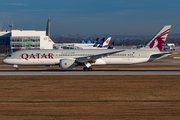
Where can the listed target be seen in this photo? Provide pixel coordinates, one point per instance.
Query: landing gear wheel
(87, 69)
(16, 69)
(90, 69)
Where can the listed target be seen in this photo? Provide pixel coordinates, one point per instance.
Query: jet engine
(66, 64)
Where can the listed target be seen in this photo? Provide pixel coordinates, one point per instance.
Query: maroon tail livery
(159, 40)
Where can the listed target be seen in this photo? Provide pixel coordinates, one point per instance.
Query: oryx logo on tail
(159, 40)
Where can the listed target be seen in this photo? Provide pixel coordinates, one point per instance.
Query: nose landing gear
(16, 67)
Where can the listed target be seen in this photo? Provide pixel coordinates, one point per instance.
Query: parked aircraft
(99, 45)
(83, 41)
(169, 46)
(83, 45)
(111, 46)
(68, 59)
(89, 41)
(104, 43)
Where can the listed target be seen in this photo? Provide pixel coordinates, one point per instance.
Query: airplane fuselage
(53, 57)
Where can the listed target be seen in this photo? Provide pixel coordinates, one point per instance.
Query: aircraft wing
(93, 58)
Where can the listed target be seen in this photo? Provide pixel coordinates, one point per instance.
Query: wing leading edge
(94, 57)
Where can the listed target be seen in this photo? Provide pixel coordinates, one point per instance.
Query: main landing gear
(87, 69)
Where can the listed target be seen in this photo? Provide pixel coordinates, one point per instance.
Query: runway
(95, 72)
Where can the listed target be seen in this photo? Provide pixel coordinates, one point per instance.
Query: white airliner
(68, 59)
(102, 45)
(84, 45)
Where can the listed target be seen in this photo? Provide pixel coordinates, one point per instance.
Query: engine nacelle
(66, 64)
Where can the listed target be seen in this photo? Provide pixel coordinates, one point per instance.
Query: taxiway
(95, 72)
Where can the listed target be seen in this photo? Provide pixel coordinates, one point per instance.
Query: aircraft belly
(116, 60)
(124, 60)
(35, 62)
(138, 60)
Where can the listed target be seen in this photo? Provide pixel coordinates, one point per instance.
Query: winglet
(159, 39)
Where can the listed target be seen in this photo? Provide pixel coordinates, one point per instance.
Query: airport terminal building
(13, 40)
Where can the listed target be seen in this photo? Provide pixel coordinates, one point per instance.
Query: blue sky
(88, 17)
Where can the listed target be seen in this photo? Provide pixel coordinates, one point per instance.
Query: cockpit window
(8, 56)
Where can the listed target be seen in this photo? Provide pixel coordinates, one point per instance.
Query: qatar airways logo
(37, 56)
(159, 41)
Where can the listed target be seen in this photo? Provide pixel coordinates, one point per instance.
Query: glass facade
(26, 42)
(4, 45)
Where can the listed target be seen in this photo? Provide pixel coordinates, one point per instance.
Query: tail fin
(96, 42)
(83, 41)
(101, 42)
(111, 46)
(106, 42)
(159, 39)
(89, 41)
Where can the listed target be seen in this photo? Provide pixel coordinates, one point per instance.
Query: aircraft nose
(5, 60)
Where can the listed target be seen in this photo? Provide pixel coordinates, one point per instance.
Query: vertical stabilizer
(106, 42)
(111, 46)
(89, 41)
(96, 42)
(101, 43)
(159, 39)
